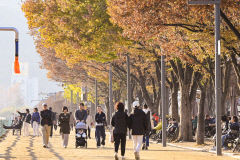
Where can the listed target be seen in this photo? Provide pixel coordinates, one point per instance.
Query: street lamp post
(16, 63)
(96, 95)
(163, 96)
(110, 93)
(217, 68)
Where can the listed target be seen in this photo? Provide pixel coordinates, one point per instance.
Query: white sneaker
(116, 156)
(123, 158)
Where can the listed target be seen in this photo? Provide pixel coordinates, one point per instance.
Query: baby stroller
(81, 135)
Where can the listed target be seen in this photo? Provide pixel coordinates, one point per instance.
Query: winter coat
(138, 122)
(149, 120)
(46, 117)
(26, 117)
(81, 115)
(64, 123)
(36, 117)
(100, 119)
(120, 122)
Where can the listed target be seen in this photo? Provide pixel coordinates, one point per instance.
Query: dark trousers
(89, 132)
(100, 133)
(146, 140)
(120, 138)
(51, 132)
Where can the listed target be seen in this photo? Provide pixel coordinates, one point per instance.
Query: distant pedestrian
(54, 121)
(46, 123)
(89, 122)
(138, 124)
(64, 124)
(100, 119)
(120, 123)
(35, 122)
(147, 111)
(26, 121)
(72, 121)
(81, 114)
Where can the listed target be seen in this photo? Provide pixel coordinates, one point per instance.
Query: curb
(203, 150)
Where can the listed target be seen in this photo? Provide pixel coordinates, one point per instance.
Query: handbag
(111, 137)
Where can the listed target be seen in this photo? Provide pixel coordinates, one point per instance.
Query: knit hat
(136, 104)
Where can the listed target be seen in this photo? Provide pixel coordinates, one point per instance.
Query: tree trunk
(185, 133)
(107, 109)
(200, 120)
(174, 101)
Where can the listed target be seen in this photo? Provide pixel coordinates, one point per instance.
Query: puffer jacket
(138, 122)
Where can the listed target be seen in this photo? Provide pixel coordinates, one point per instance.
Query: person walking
(120, 123)
(81, 114)
(46, 123)
(89, 122)
(138, 124)
(72, 121)
(100, 119)
(26, 121)
(35, 122)
(147, 111)
(54, 121)
(64, 124)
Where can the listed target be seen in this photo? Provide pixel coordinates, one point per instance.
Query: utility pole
(163, 98)
(129, 101)
(128, 84)
(216, 4)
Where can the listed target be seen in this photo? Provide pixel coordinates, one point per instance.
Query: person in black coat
(26, 121)
(148, 113)
(120, 123)
(46, 123)
(138, 124)
(64, 124)
(100, 119)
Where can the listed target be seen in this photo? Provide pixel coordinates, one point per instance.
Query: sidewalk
(30, 148)
(207, 147)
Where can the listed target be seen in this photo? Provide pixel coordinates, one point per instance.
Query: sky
(11, 15)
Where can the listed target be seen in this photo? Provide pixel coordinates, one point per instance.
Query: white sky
(12, 16)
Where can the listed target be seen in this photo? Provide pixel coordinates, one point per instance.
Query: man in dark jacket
(81, 114)
(120, 124)
(100, 119)
(138, 121)
(46, 123)
(26, 121)
(233, 133)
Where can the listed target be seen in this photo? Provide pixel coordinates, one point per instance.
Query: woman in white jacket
(89, 122)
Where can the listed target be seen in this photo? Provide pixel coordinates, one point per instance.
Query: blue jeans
(224, 137)
(146, 139)
(100, 133)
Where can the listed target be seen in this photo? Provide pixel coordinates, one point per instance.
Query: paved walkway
(30, 148)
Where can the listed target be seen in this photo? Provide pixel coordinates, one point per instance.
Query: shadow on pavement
(55, 153)
(7, 155)
(30, 149)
